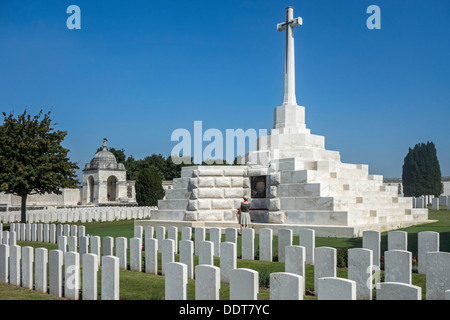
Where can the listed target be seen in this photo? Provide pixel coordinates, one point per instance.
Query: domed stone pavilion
(105, 180)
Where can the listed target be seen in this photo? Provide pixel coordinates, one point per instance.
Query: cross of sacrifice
(289, 61)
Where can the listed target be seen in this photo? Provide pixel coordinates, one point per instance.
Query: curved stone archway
(90, 192)
(112, 188)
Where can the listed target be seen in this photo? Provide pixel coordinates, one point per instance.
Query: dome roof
(104, 159)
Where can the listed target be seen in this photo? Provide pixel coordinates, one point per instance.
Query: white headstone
(265, 244)
(15, 257)
(175, 281)
(227, 260)
(324, 264)
(248, 244)
(55, 272)
(12, 238)
(81, 231)
(95, 246)
(284, 239)
(52, 233)
(205, 252)
(398, 291)
(40, 267)
(40, 233)
(108, 246)
(167, 253)
(295, 260)
(45, 232)
(72, 243)
(138, 231)
(122, 252)
(307, 239)
(360, 263)
(207, 282)
(438, 275)
(148, 232)
(286, 286)
(186, 233)
(420, 203)
(83, 246)
(33, 227)
(371, 241)
(244, 284)
(66, 230)
(398, 240)
(443, 200)
(435, 204)
(428, 241)
(62, 243)
(4, 263)
(199, 236)
(332, 288)
(27, 267)
(398, 266)
(136, 254)
(5, 237)
(215, 236)
(151, 256)
(71, 275)
(90, 276)
(172, 233)
(231, 235)
(74, 230)
(160, 235)
(110, 278)
(187, 256)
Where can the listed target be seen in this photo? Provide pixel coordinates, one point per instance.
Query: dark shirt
(245, 207)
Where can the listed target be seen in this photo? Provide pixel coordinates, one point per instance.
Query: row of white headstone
(38, 232)
(363, 267)
(243, 282)
(58, 273)
(83, 214)
(423, 201)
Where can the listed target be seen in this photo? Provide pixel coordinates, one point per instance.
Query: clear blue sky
(138, 70)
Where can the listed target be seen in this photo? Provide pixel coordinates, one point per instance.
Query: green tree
(149, 186)
(32, 159)
(421, 171)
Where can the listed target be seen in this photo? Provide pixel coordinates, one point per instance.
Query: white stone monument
(104, 180)
(292, 180)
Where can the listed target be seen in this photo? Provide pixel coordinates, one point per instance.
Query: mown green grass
(142, 286)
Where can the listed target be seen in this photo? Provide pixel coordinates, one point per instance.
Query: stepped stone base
(292, 182)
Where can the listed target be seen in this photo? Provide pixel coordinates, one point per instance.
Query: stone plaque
(258, 187)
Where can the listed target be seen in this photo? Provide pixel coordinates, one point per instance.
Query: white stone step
(306, 153)
(316, 217)
(286, 141)
(161, 214)
(179, 194)
(299, 190)
(172, 204)
(306, 203)
(180, 183)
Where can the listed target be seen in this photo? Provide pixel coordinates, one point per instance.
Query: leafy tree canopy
(32, 159)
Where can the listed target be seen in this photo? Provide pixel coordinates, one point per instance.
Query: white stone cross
(289, 61)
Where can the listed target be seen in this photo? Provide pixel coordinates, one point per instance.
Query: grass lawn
(142, 286)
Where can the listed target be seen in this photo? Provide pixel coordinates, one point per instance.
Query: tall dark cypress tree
(149, 186)
(421, 171)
